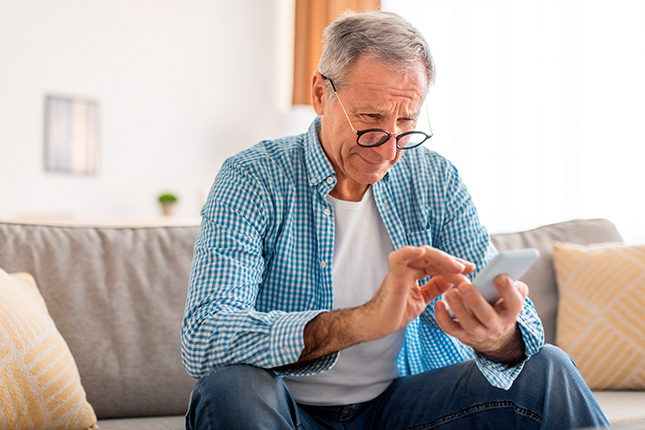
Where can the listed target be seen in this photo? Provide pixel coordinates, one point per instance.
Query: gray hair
(382, 36)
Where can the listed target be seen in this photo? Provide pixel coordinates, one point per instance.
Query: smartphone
(513, 263)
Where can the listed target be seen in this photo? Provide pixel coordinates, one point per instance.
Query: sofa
(116, 293)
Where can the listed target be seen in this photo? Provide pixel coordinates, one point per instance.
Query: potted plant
(168, 201)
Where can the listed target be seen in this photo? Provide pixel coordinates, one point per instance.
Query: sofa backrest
(541, 276)
(117, 296)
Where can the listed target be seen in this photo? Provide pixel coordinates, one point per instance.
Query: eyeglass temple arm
(429, 125)
(341, 103)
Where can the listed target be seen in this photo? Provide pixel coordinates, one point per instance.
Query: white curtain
(541, 106)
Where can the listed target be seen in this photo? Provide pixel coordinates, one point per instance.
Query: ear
(318, 93)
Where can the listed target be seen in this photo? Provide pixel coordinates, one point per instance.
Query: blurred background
(540, 104)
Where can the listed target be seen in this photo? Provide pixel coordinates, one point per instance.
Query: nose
(388, 150)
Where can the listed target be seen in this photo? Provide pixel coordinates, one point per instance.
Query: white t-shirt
(361, 249)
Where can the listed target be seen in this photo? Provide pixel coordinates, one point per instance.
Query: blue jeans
(548, 394)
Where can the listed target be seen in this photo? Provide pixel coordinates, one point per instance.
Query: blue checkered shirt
(262, 262)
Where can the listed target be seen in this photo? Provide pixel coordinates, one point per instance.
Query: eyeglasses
(377, 136)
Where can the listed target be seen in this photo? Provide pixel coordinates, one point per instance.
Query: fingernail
(501, 280)
(466, 289)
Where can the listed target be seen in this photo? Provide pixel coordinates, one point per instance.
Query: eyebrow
(373, 109)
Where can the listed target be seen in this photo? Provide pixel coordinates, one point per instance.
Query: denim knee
(239, 382)
(553, 353)
(567, 399)
(240, 396)
(553, 367)
(552, 359)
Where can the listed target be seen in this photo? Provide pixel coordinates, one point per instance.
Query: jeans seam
(478, 408)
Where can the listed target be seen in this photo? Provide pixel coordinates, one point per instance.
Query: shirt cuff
(287, 343)
(502, 376)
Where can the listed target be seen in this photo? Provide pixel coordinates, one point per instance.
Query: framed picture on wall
(71, 135)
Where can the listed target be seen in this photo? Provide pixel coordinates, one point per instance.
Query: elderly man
(313, 300)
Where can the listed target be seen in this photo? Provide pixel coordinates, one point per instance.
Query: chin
(370, 178)
(367, 176)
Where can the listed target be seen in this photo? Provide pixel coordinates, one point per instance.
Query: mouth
(374, 165)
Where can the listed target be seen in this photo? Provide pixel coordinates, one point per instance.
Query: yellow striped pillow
(40, 387)
(601, 312)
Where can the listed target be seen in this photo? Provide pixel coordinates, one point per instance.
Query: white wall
(181, 85)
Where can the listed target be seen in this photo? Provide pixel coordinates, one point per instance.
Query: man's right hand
(398, 301)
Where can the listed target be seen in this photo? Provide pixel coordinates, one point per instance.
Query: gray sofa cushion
(622, 408)
(117, 296)
(153, 423)
(541, 277)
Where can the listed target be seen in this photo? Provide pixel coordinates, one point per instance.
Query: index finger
(443, 263)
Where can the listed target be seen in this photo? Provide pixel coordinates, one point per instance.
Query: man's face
(376, 97)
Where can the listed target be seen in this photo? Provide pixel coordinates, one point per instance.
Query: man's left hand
(491, 330)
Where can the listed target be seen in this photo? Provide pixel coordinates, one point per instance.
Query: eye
(408, 122)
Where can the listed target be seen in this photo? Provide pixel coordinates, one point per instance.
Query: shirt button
(312, 182)
(330, 180)
(327, 212)
(323, 264)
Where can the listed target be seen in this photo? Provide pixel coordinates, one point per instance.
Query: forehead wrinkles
(377, 100)
(379, 85)
(379, 91)
(384, 109)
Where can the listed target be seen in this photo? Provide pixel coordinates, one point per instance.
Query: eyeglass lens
(376, 137)
(411, 140)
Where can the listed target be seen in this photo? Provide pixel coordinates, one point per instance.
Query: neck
(349, 192)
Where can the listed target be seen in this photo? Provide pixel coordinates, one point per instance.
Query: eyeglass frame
(360, 133)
